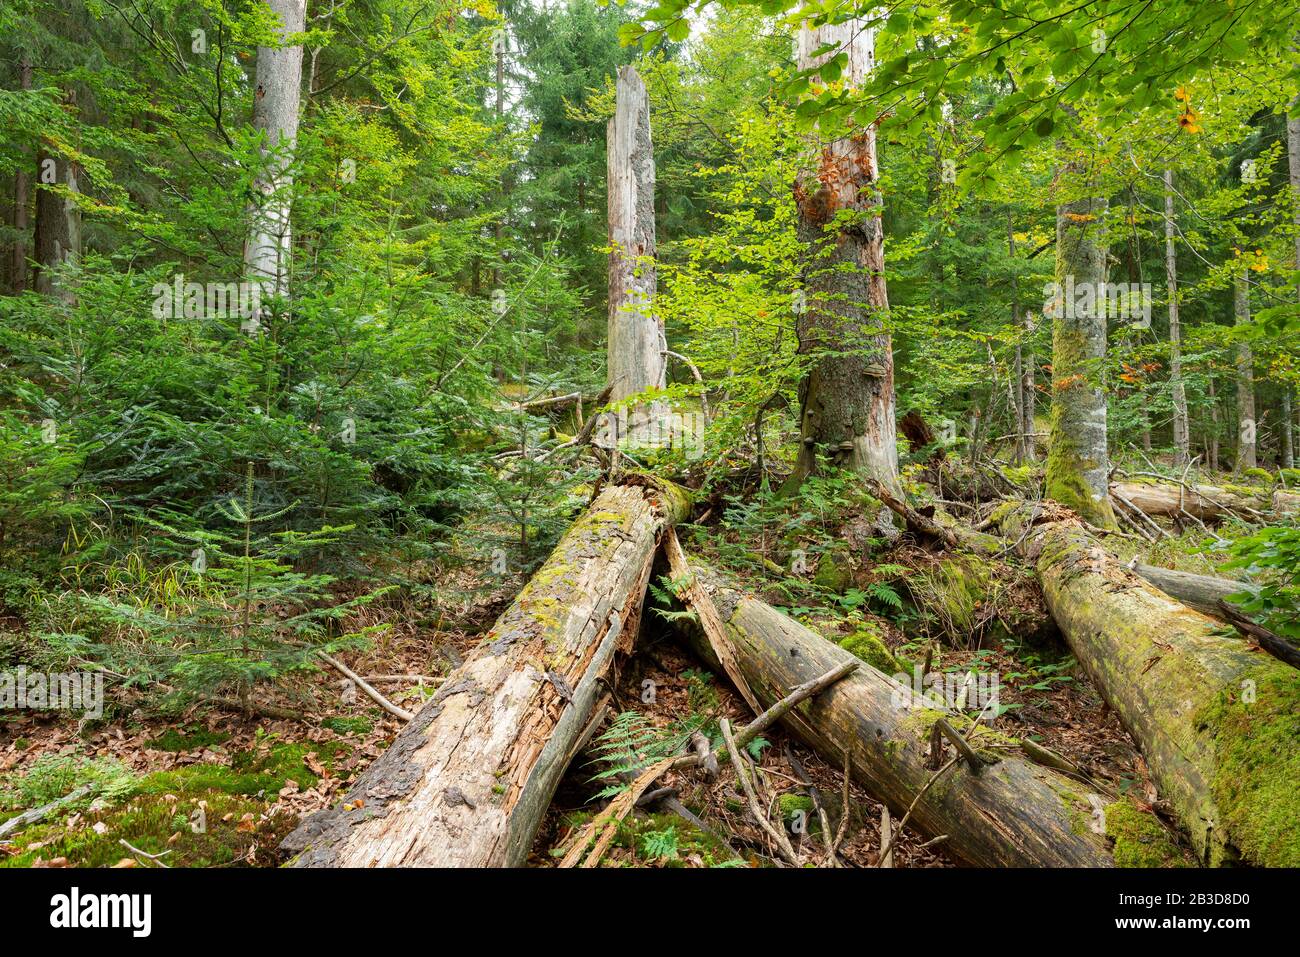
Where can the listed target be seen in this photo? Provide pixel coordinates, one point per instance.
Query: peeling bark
(847, 399)
(467, 781)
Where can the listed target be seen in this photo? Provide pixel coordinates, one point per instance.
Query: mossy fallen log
(1202, 592)
(1010, 813)
(1218, 723)
(1169, 499)
(467, 781)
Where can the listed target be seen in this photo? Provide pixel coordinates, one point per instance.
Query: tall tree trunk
(636, 344)
(499, 48)
(1024, 445)
(847, 399)
(1212, 438)
(1293, 169)
(277, 97)
(1078, 464)
(1246, 437)
(58, 223)
(1288, 428)
(1029, 388)
(1182, 434)
(22, 195)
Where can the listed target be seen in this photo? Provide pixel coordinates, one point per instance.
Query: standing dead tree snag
(847, 397)
(467, 781)
(636, 350)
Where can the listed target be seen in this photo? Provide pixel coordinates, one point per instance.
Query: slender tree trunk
(499, 48)
(1078, 464)
(1246, 437)
(58, 221)
(277, 97)
(22, 195)
(1288, 428)
(1293, 168)
(636, 344)
(1023, 423)
(1212, 438)
(1029, 388)
(1182, 434)
(847, 399)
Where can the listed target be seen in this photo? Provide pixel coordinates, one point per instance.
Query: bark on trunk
(1288, 428)
(467, 781)
(1078, 464)
(1182, 433)
(1024, 445)
(1246, 437)
(1012, 813)
(1212, 439)
(22, 195)
(1202, 592)
(636, 344)
(276, 100)
(58, 222)
(847, 399)
(1206, 501)
(1218, 724)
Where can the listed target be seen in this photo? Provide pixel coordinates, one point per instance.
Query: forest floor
(216, 788)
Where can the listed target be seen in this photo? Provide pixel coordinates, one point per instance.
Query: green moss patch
(1256, 731)
(190, 738)
(1140, 839)
(340, 725)
(866, 644)
(198, 829)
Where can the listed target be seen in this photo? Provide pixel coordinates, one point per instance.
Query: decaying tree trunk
(1011, 813)
(1202, 592)
(1218, 723)
(1207, 501)
(636, 347)
(467, 781)
(847, 398)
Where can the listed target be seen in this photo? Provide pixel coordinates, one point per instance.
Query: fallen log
(1205, 501)
(1012, 813)
(1274, 644)
(1202, 592)
(1218, 723)
(37, 814)
(467, 781)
